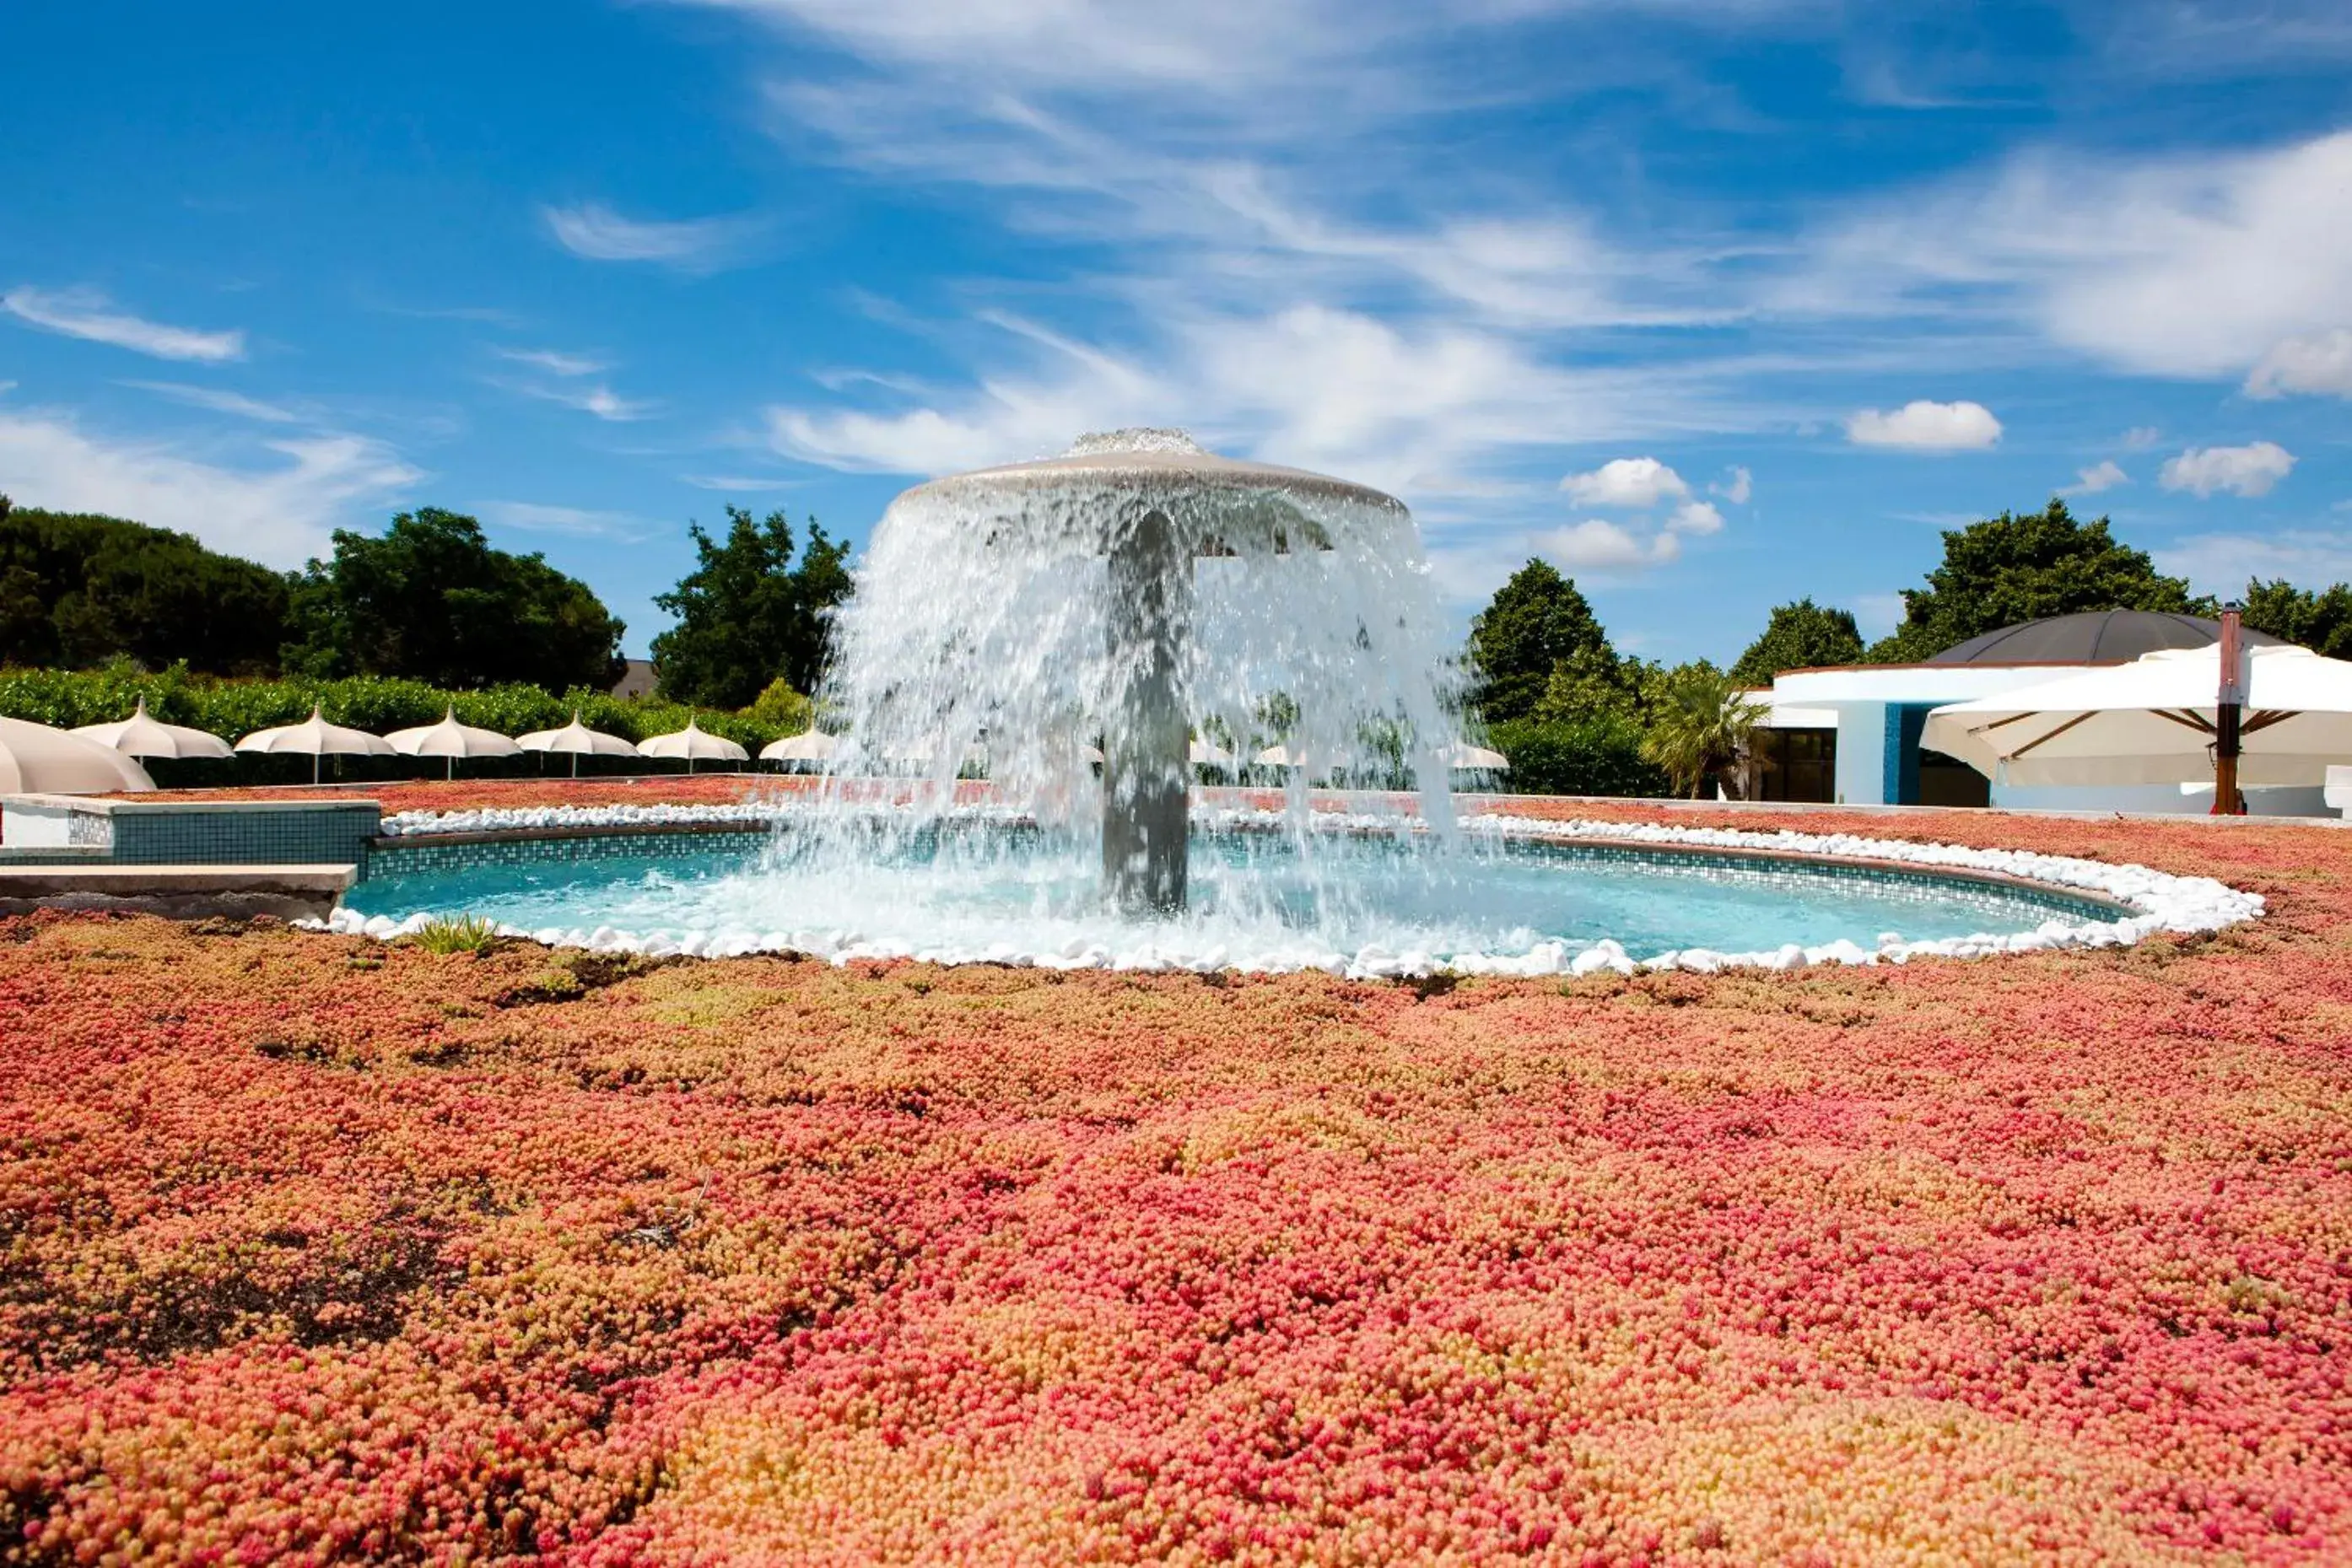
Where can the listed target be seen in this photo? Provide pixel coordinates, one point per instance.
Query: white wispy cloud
(596, 231)
(555, 361)
(1925, 426)
(1418, 411)
(1697, 518)
(1878, 614)
(219, 400)
(1234, 174)
(597, 399)
(576, 522)
(1635, 481)
(2222, 563)
(2184, 265)
(2249, 470)
(278, 510)
(2103, 475)
(1597, 544)
(86, 313)
(1638, 484)
(2314, 363)
(741, 482)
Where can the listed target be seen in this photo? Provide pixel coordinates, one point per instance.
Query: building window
(1948, 781)
(1799, 764)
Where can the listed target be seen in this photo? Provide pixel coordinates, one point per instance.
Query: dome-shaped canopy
(1223, 505)
(2091, 637)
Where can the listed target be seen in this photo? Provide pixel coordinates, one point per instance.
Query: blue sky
(1713, 304)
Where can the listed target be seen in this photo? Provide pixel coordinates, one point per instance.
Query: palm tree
(1702, 719)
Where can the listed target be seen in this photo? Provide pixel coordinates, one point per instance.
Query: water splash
(988, 629)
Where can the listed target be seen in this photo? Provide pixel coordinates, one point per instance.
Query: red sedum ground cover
(318, 1249)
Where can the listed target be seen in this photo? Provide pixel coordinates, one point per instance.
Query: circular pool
(1500, 897)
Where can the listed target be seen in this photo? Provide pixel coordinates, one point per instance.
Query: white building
(1851, 734)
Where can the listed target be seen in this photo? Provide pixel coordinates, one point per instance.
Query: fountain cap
(1136, 438)
(1145, 458)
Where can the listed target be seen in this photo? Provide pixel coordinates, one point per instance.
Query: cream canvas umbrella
(695, 744)
(2161, 720)
(450, 740)
(810, 745)
(314, 737)
(1466, 758)
(1208, 754)
(35, 760)
(1281, 757)
(577, 740)
(142, 736)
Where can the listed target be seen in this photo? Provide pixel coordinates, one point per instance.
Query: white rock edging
(2159, 902)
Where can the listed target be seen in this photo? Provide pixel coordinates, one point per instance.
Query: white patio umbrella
(450, 740)
(1467, 758)
(695, 745)
(314, 737)
(577, 740)
(810, 746)
(1281, 757)
(140, 736)
(2157, 721)
(1208, 754)
(35, 760)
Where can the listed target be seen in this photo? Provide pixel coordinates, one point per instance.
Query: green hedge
(233, 708)
(1595, 757)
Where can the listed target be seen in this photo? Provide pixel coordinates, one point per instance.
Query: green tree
(1536, 621)
(1799, 636)
(1703, 721)
(748, 615)
(2020, 567)
(430, 601)
(1595, 683)
(2320, 621)
(78, 589)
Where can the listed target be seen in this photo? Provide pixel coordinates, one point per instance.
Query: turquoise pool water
(1256, 900)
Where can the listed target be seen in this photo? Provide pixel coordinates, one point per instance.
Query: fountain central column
(1147, 769)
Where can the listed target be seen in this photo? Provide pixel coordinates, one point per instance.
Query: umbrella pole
(314, 768)
(2229, 711)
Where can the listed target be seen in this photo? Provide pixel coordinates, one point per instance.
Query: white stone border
(2159, 902)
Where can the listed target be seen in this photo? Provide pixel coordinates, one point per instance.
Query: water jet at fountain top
(1139, 588)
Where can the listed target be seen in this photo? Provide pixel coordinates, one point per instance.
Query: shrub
(457, 934)
(781, 706)
(1599, 755)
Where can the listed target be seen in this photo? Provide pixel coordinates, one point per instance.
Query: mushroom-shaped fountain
(1136, 588)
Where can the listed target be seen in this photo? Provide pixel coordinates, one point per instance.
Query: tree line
(431, 605)
(428, 600)
(1577, 717)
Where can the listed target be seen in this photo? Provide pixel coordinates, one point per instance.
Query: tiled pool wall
(49, 830)
(336, 835)
(1774, 868)
(421, 855)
